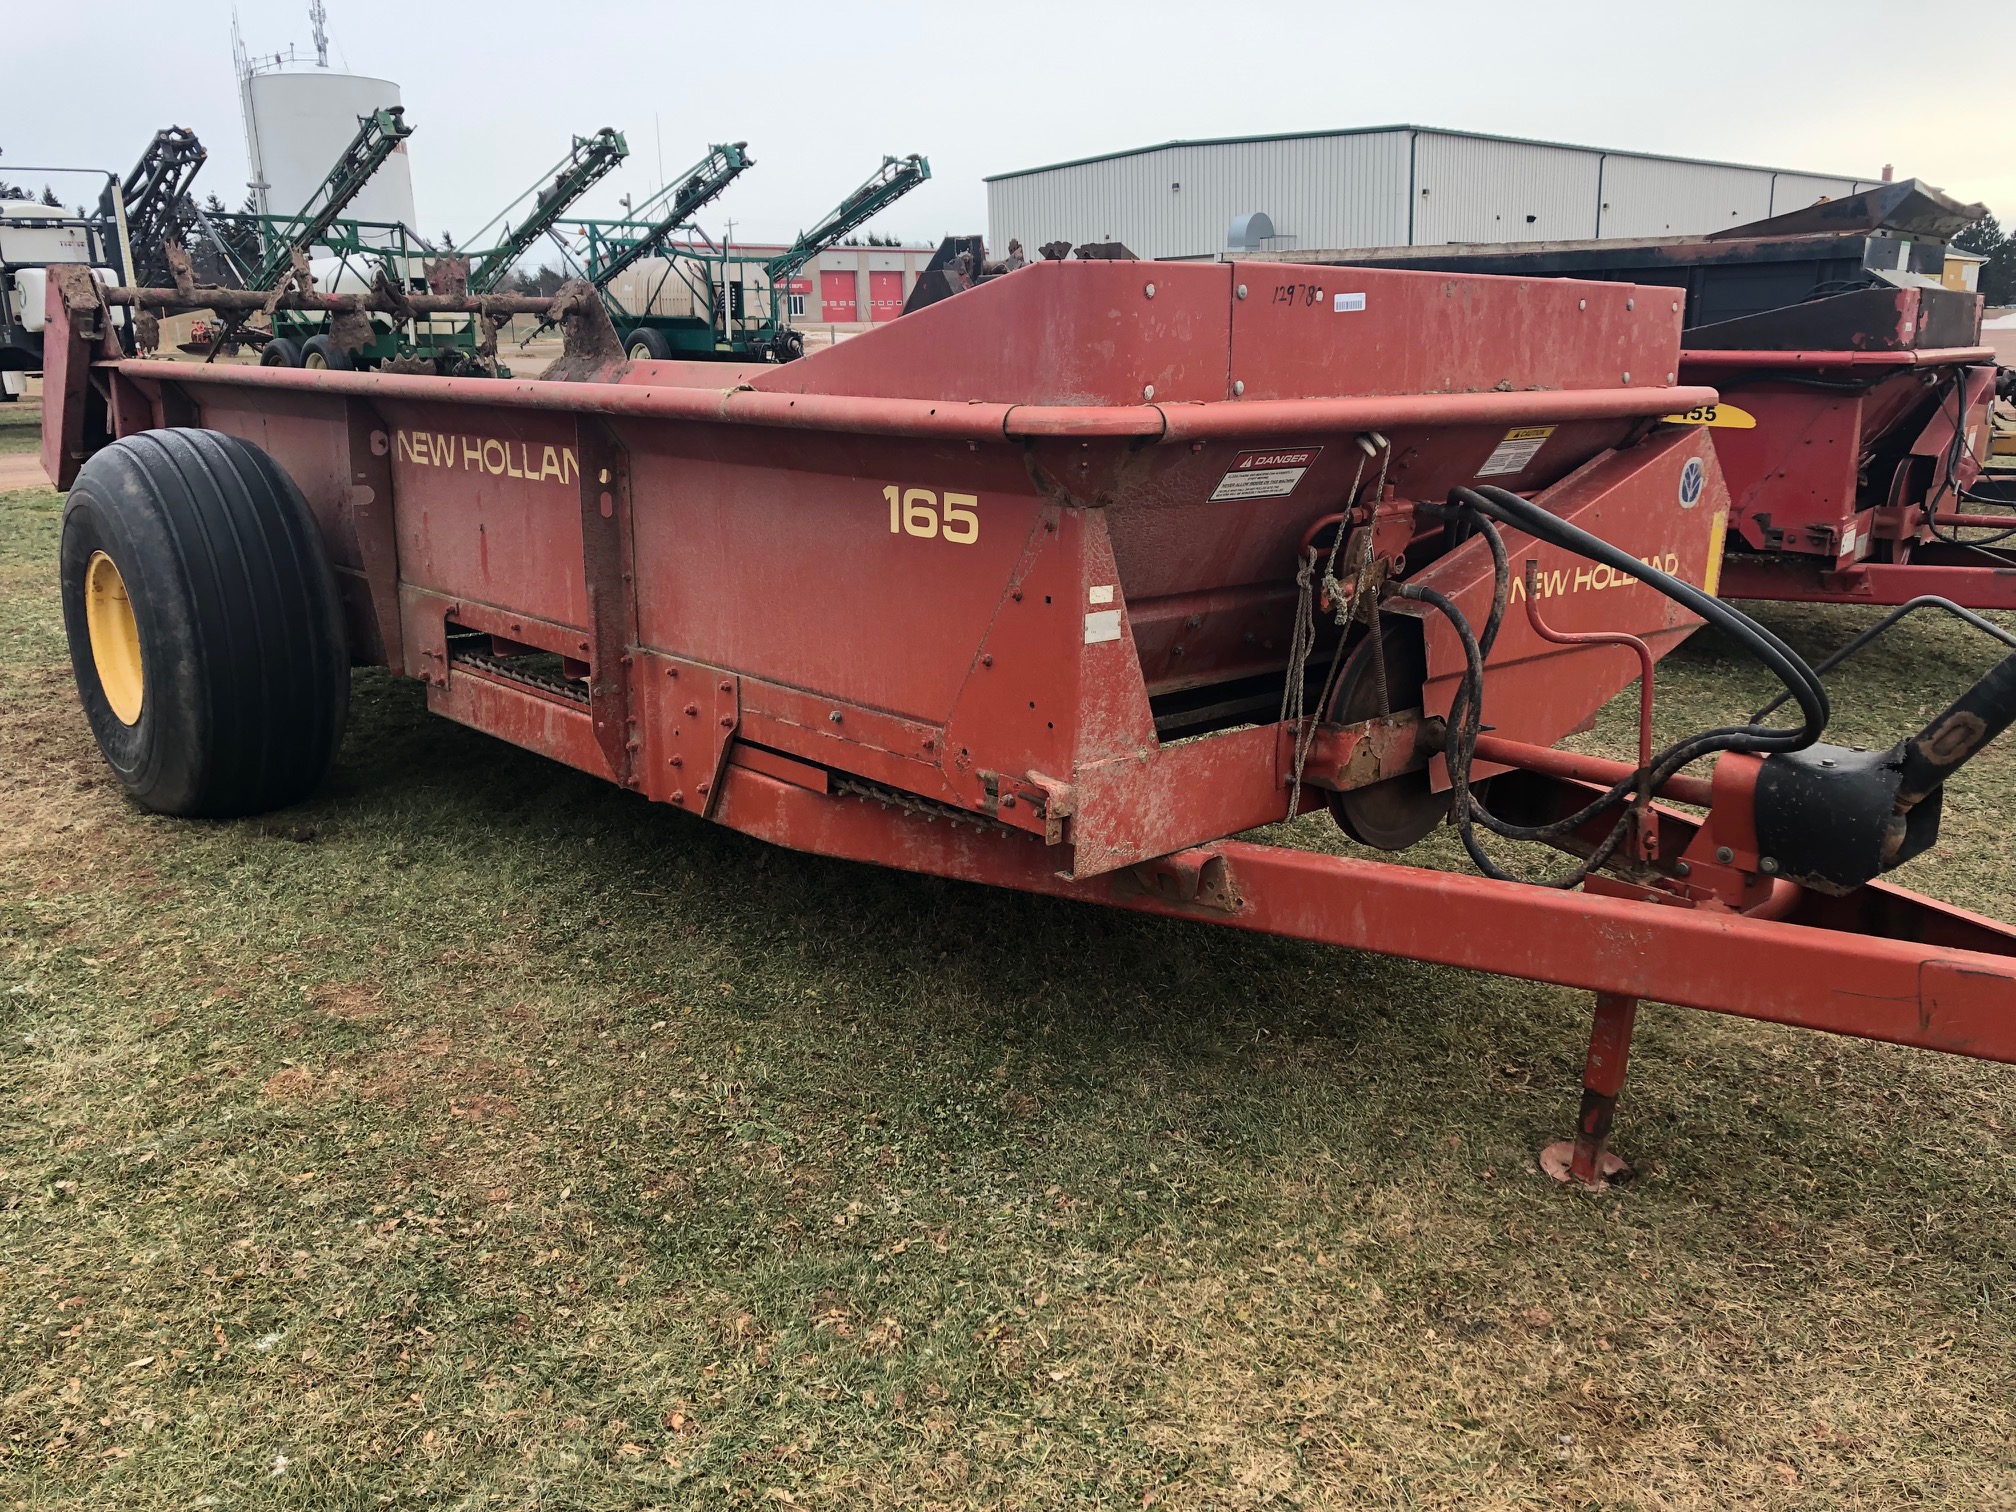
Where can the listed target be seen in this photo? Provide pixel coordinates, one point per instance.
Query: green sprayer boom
(699, 186)
(887, 184)
(379, 135)
(586, 164)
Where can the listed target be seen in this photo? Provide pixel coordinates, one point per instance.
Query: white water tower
(299, 118)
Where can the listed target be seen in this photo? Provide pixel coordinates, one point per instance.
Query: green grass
(481, 1136)
(21, 426)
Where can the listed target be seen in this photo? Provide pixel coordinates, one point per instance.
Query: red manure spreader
(1855, 393)
(1866, 422)
(1056, 585)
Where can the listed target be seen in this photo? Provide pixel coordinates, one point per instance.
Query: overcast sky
(820, 92)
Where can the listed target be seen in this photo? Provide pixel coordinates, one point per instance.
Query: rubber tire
(245, 669)
(652, 342)
(334, 358)
(281, 351)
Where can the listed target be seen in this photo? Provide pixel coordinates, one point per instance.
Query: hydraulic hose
(1949, 482)
(1487, 508)
(1784, 662)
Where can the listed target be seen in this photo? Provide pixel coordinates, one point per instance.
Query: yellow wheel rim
(314, 360)
(115, 638)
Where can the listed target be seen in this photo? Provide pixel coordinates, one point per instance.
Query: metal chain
(1294, 696)
(500, 668)
(927, 809)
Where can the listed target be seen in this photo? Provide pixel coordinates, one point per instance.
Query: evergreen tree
(545, 283)
(1998, 275)
(236, 232)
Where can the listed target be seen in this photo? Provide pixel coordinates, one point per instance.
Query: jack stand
(1586, 1159)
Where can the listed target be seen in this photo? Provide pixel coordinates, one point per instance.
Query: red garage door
(885, 295)
(839, 297)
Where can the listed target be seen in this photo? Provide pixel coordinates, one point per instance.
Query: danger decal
(1265, 474)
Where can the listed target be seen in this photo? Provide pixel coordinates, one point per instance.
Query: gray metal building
(1383, 186)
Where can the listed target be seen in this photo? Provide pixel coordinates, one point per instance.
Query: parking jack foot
(1587, 1160)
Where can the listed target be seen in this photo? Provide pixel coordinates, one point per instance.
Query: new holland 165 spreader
(1057, 586)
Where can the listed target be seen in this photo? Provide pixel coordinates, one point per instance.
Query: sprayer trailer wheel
(204, 626)
(320, 352)
(646, 344)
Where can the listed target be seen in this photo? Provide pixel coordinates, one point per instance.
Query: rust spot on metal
(82, 295)
(351, 331)
(393, 296)
(1951, 741)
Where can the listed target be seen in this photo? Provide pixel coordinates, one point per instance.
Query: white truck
(32, 236)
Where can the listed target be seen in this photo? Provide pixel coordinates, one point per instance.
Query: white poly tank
(299, 122)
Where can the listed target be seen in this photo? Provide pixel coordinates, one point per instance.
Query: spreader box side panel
(1091, 333)
(1302, 332)
(303, 433)
(1796, 469)
(866, 570)
(1101, 333)
(335, 451)
(1223, 513)
(489, 506)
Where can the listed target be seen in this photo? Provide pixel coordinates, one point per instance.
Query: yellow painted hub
(314, 360)
(115, 638)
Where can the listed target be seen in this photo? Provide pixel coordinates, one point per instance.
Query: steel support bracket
(612, 606)
(688, 716)
(1344, 757)
(1060, 802)
(367, 500)
(1198, 878)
